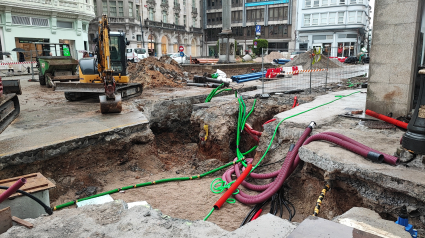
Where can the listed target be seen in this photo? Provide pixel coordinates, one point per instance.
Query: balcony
(194, 10)
(176, 7)
(150, 2)
(164, 4)
(122, 20)
(79, 7)
(196, 30)
(166, 26)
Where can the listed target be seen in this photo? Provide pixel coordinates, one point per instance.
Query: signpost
(181, 49)
(255, 44)
(257, 30)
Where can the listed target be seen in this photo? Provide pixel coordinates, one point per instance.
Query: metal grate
(39, 21)
(18, 20)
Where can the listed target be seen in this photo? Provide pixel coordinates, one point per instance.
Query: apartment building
(171, 24)
(274, 17)
(342, 25)
(23, 22)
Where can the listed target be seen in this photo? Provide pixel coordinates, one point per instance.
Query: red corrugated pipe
(387, 119)
(257, 133)
(12, 189)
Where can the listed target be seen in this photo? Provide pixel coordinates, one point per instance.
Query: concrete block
(382, 34)
(390, 12)
(265, 226)
(380, 73)
(403, 34)
(383, 53)
(367, 220)
(24, 207)
(400, 74)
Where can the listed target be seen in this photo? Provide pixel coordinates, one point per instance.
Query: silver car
(181, 60)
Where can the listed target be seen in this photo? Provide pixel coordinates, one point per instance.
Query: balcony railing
(176, 7)
(68, 6)
(168, 26)
(196, 30)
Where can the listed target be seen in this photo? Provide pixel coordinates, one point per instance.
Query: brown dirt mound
(153, 73)
(305, 61)
(270, 57)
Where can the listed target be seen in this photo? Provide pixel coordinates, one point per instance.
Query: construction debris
(305, 61)
(153, 73)
(273, 55)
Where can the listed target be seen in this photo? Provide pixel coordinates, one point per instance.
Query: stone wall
(393, 56)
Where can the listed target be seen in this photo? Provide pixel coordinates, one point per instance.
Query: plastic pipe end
(375, 157)
(312, 125)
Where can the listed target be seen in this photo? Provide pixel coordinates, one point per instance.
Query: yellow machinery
(105, 73)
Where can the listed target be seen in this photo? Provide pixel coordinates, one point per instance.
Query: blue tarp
(255, 4)
(248, 77)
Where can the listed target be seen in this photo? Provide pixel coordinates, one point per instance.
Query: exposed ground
(305, 61)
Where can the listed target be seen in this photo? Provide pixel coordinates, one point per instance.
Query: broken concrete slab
(114, 220)
(367, 220)
(326, 113)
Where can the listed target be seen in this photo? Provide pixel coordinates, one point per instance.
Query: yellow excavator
(105, 74)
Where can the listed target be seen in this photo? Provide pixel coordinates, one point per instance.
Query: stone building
(171, 24)
(397, 52)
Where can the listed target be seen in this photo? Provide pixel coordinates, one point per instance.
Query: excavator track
(126, 91)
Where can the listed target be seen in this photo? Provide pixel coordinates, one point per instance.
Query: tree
(261, 43)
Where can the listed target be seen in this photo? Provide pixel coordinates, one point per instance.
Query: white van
(136, 54)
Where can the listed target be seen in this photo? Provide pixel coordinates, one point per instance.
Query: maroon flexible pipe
(292, 160)
(12, 189)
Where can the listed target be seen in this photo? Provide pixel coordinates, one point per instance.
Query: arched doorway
(193, 48)
(151, 45)
(164, 43)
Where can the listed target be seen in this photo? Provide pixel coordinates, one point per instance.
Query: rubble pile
(153, 73)
(305, 61)
(270, 57)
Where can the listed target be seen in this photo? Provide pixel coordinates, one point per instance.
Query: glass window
(176, 19)
(316, 3)
(332, 16)
(130, 9)
(95, 7)
(271, 11)
(307, 20)
(164, 16)
(114, 46)
(105, 7)
(151, 15)
(315, 19)
(340, 17)
(307, 3)
(359, 17)
(323, 19)
(184, 20)
(113, 9)
(285, 13)
(64, 24)
(351, 17)
(324, 2)
(139, 38)
(332, 2)
(341, 2)
(120, 9)
(193, 22)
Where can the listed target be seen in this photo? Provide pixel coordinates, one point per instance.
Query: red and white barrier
(305, 71)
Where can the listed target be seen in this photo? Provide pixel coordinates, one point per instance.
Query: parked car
(181, 60)
(136, 54)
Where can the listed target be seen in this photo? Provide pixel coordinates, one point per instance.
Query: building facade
(274, 17)
(171, 24)
(341, 25)
(122, 16)
(23, 22)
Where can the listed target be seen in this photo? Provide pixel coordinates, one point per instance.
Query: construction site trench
(173, 144)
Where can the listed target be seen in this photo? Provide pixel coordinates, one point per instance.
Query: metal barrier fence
(307, 72)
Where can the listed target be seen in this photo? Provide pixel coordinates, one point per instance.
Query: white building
(54, 21)
(339, 24)
(170, 24)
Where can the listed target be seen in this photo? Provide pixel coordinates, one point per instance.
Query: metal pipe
(12, 189)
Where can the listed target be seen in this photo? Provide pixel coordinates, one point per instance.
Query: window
(95, 7)
(332, 2)
(307, 3)
(120, 9)
(139, 38)
(306, 20)
(285, 13)
(351, 17)
(359, 17)
(332, 16)
(324, 2)
(164, 16)
(193, 3)
(176, 19)
(104, 7)
(151, 15)
(137, 11)
(341, 2)
(184, 20)
(316, 3)
(112, 9)
(193, 22)
(315, 19)
(130, 9)
(236, 16)
(340, 17)
(64, 24)
(184, 3)
(323, 19)
(44, 22)
(84, 27)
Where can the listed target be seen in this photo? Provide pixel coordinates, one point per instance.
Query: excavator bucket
(9, 110)
(110, 105)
